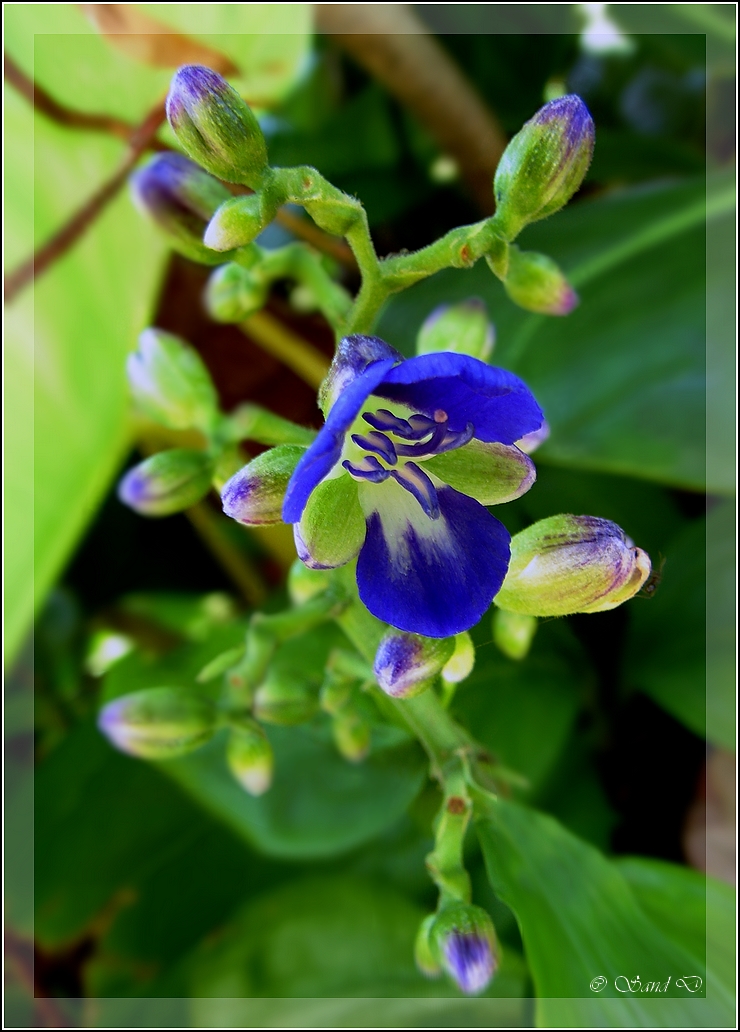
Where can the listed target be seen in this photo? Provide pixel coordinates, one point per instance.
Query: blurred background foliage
(166, 882)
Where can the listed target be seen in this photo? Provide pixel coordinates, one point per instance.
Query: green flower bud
(406, 663)
(351, 735)
(423, 953)
(535, 282)
(543, 165)
(464, 328)
(168, 482)
(250, 756)
(181, 198)
(158, 723)
(255, 494)
(463, 941)
(571, 564)
(334, 215)
(513, 633)
(215, 126)
(305, 583)
(236, 223)
(284, 699)
(461, 662)
(233, 293)
(170, 382)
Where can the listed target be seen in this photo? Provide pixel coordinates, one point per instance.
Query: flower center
(394, 438)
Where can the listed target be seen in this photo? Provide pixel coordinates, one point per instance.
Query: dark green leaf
(319, 805)
(621, 379)
(673, 653)
(580, 921)
(523, 711)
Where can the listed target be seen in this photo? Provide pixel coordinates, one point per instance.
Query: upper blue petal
(436, 583)
(353, 356)
(325, 451)
(499, 405)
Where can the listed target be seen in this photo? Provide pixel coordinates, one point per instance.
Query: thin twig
(70, 232)
(395, 46)
(311, 234)
(46, 105)
(293, 351)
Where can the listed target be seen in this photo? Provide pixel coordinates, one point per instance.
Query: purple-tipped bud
(406, 663)
(158, 723)
(464, 941)
(571, 564)
(544, 164)
(170, 383)
(255, 494)
(464, 328)
(215, 126)
(352, 357)
(250, 757)
(168, 482)
(531, 442)
(535, 282)
(233, 293)
(181, 198)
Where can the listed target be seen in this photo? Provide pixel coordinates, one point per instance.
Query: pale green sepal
(536, 283)
(491, 473)
(332, 528)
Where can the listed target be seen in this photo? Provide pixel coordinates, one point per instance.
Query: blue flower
(409, 456)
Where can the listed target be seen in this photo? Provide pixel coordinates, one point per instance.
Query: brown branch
(394, 45)
(72, 230)
(324, 242)
(46, 105)
(19, 956)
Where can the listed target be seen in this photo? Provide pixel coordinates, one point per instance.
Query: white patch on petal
(399, 512)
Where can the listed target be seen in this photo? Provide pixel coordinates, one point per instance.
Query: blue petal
(432, 577)
(499, 404)
(354, 355)
(325, 451)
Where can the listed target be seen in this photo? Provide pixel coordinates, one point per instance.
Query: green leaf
(696, 911)
(112, 836)
(524, 710)
(67, 340)
(674, 653)
(332, 937)
(579, 921)
(622, 379)
(319, 805)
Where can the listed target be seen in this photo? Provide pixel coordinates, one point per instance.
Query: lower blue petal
(433, 577)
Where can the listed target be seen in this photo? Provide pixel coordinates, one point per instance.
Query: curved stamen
(429, 447)
(378, 443)
(456, 438)
(414, 479)
(368, 468)
(386, 421)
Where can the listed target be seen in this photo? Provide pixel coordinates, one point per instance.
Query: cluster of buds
(540, 170)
